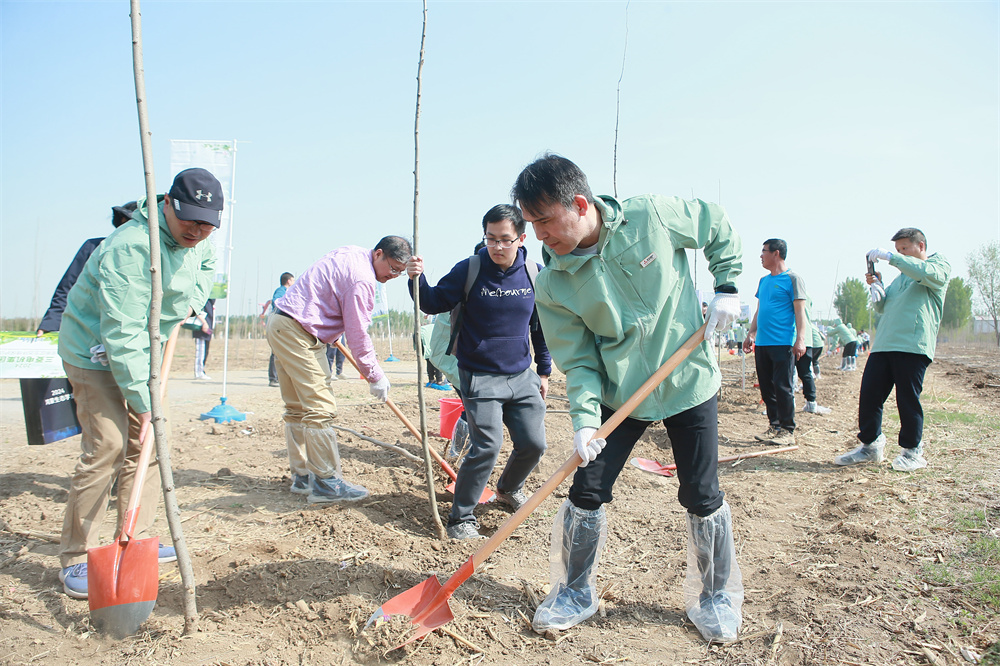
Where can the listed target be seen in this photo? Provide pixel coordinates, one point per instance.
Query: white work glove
(99, 355)
(876, 291)
(380, 389)
(879, 253)
(588, 448)
(722, 312)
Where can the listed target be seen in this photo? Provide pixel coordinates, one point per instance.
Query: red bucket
(451, 409)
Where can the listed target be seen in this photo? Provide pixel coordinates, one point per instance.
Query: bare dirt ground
(841, 566)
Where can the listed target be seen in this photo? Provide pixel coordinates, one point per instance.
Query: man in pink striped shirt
(333, 297)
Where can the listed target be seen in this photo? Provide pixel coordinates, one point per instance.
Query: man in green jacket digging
(104, 345)
(904, 346)
(615, 301)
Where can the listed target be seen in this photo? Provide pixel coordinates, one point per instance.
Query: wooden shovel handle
(132, 509)
(512, 523)
(402, 417)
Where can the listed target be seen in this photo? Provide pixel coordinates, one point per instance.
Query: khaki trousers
(110, 448)
(309, 403)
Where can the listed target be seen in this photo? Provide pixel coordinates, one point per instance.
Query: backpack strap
(458, 312)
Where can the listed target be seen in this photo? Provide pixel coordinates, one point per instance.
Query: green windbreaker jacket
(911, 309)
(612, 318)
(109, 304)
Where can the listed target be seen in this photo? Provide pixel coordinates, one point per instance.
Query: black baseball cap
(197, 195)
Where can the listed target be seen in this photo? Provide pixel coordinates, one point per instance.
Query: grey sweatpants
(491, 402)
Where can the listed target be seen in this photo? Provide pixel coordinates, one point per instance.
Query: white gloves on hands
(588, 448)
(876, 291)
(99, 355)
(380, 389)
(879, 253)
(722, 312)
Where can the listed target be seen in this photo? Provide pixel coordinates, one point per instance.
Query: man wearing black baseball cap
(104, 344)
(193, 207)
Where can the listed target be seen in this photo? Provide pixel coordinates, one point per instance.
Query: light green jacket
(438, 347)
(817, 338)
(611, 319)
(109, 304)
(911, 309)
(840, 335)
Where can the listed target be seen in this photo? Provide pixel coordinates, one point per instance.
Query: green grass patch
(975, 572)
(943, 417)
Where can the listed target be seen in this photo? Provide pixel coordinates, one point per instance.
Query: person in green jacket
(904, 346)
(843, 336)
(804, 366)
(104, 345)
(616, 299)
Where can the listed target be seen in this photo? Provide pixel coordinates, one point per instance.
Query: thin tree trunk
(428, 469)
(159, 423)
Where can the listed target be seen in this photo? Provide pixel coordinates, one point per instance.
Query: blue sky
(828, 124)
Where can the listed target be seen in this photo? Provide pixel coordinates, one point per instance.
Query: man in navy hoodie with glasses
(496, 332)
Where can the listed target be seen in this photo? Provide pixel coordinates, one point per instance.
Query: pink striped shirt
(335, 296)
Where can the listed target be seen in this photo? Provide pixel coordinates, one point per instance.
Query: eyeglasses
(394, 270)
(503, 243)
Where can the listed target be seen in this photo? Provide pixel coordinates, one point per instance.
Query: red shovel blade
(487, 496)
(122, 583)
(426, 603)
(647, 465)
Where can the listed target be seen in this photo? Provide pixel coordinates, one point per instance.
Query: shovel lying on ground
(487, 496)
(647, 465)
(427, 603)
(123, 577)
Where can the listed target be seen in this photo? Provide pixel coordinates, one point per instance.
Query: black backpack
(458, 312)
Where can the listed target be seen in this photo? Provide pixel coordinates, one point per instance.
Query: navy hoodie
(495, 331)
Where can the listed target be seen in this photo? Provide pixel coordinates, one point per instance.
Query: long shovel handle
(519, 516)
(132, 509)
(402, 417)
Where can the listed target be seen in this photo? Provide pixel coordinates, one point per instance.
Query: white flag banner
(381, 302)
(219, 157)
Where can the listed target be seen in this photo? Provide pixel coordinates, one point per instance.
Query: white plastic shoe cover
(865, 453)
(713, 585)
(910, 459)
(578, 537)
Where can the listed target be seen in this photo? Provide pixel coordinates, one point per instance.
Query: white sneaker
(910, 460)
(203, 376)
(864, 453)
(813, 408)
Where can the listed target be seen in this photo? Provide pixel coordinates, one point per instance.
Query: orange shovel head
(122, 582)
(487, 496)
(424, 601)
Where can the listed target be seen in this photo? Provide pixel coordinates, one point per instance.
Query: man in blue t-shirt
(498, 387)
(777, 335)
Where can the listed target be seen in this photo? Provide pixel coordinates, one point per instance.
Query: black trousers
(775, 364)
(694, 439)
(883, 371)
(815, 353)
(850, 349)
(804, 366)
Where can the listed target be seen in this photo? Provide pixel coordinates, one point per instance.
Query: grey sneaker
(300, 484)
(864, 453)
(514, 500)
(768, 434)
(461, 531)
(335, 490)
(814, 408)
(910, 460)
(783, 438)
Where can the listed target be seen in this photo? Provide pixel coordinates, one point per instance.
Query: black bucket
(49, 410)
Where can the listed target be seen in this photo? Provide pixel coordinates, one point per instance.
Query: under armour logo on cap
(197, 195)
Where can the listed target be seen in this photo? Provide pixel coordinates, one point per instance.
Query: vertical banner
(381, 302)
(219, 157)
